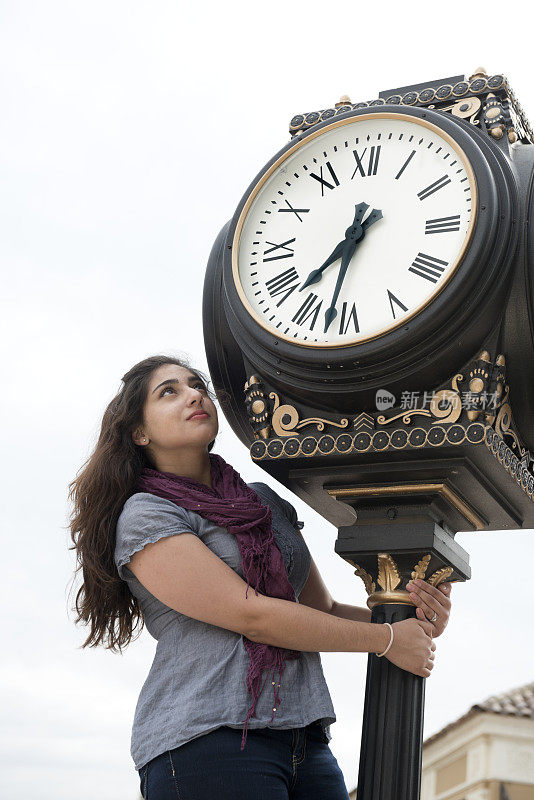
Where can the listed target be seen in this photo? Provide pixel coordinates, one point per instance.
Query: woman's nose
(195, 394)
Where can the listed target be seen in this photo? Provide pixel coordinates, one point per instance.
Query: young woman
(168, 534)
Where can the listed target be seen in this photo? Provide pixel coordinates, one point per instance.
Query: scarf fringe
(253, 682)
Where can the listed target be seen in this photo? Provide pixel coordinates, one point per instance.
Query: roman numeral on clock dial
(399, 173)
(309, 308)
(348, 318)
(428, 267)
(434, 187)
(285, 284)
(323, 181)
(371, 165)
(443, 224)
(284, 246)
(296, 211)
(393, 299)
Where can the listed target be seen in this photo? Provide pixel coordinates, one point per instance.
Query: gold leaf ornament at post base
(440, 576)
(389, 579)
(288, 427)
(420, 568)
(388, 574)
(366, 578)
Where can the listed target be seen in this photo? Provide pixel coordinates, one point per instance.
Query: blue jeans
(292, 764)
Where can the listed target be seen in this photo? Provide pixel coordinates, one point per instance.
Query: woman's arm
(315, 594)
(184, 574)
(295, 626)
(357, 613)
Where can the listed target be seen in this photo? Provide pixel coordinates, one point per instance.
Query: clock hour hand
(316, 274)
(348, 252)
(374, 216)
(353, 233)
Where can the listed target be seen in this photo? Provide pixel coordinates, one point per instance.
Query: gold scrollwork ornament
(450, 397)
(257, 407)
(283, 427)
(467, 109)
(503, 424)
(452, 400)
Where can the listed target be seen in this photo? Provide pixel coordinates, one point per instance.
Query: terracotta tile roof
(517, 703)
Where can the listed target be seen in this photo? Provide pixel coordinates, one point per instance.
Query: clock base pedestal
(387, 556)
(392, 732)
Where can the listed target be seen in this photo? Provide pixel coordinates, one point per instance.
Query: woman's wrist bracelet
(390, 641)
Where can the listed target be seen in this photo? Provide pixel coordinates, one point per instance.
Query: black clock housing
(446, 331)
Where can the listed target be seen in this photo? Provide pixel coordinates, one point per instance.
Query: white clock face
(314, 267)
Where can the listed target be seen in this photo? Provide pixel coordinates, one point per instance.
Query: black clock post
(369, 327)
(392, 733)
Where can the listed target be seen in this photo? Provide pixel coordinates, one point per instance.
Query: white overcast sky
(128, 134)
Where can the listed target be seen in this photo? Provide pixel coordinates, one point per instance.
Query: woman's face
(174, 394)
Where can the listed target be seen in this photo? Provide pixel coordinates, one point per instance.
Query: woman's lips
(201, 415)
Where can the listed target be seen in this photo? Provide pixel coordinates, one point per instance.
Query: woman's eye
(170, 388)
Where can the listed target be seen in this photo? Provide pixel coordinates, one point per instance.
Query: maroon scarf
(235, 506)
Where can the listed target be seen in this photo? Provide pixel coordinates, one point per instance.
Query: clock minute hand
(348, 252)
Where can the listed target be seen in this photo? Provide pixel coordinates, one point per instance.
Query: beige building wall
(472, 759)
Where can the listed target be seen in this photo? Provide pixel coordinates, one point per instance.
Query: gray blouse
(197, 679)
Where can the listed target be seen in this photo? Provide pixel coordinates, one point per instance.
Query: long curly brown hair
(101, 487)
